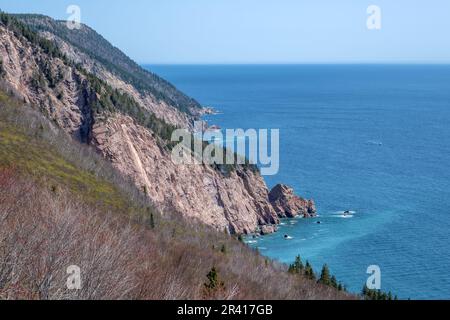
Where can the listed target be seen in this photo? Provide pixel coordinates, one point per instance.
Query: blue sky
(262, 31)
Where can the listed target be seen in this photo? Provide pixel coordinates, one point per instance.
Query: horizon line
(292, 63)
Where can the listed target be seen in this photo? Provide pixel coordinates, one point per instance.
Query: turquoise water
(371, 139)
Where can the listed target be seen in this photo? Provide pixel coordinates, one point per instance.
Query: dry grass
(43, 232)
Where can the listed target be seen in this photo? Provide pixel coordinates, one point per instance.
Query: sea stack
(288, 205)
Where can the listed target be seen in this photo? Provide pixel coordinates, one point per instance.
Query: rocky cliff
(128, 123)
(237, 202)
(287, 204)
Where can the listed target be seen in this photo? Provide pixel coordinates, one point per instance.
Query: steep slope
(126, 132)
(62, 204)
(237, 202)
(86, 43)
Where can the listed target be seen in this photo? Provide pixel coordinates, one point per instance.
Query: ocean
(371, 139)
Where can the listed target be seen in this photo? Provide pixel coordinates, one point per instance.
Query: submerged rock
(288, 205)
(268, 229)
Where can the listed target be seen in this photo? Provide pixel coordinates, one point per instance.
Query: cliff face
(101, 105)
(26, 70)
(237, 203)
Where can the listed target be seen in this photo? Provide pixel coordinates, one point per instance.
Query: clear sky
(262, 31)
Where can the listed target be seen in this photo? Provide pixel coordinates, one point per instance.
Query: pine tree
(291, 269)
(212, 279)
(373, 294)
(325, 276)
(214, 284)
(389, 296)
(298, 264)
(297, 267)
(309, 272)
(223, 249)
(333, 282)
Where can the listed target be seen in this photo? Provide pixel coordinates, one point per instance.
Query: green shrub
(214, 284)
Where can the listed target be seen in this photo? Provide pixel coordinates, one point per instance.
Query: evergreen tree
(212, 279)
(298, 264)
(297, 267)
(223, 249)
(309, 272)
(373, 294)
(333, 282)
(325, 276)
(214, 284)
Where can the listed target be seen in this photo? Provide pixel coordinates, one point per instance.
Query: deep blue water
(374, 139)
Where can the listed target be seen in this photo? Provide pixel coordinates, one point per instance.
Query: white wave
(375, 142)
(344, 216)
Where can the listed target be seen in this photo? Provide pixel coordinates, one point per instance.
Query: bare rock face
(26, 68)
(289, 205)
(238, 202)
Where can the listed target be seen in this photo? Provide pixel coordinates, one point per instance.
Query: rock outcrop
(289, 205)
(267, 229)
